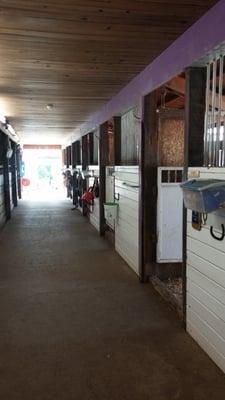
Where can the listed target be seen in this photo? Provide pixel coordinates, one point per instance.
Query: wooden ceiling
(77, 54)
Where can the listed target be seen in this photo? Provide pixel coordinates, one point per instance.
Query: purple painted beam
(200, 38)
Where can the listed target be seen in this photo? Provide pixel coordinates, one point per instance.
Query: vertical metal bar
(219, 112)
(212, 163)
(210, 124)
(206, 137)
(223, 144)
(209, 139)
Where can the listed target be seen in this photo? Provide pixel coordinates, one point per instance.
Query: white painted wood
(206, 252)
(206, 299)
(126, 227)
(169, 220)
(110, 185)
(110, 189)
(210, 286)
(95, 214)
(211, 333)
(207, 346)
(206, 268)
(208, 317)
(206, 281)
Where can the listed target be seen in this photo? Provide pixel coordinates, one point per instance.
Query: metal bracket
(117, 196)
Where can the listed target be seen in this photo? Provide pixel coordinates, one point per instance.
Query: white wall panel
(206, 283)
(169, 217)
(109, 185)
(95, 214)
(126, 227)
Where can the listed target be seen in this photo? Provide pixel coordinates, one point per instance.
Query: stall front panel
(169, 215)
(95, 209)
(206, 279)
(126, 227)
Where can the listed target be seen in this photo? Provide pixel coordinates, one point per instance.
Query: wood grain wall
(130, 134)
(171, 142)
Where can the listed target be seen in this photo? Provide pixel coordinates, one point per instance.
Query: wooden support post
(73, 151)
(18, 168)
(14, 178)
(195, 116)
(7, 200)
(91, 148)
(84, 152)
(102, 177)
(69, 156)
(194, 143)
(76, 154)
(148, 191)
(117, 140)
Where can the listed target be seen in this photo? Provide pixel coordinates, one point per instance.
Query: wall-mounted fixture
(204, 195)
(216, 236)
(206, 199)
(50, 106)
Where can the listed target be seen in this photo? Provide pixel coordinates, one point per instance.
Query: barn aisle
(76, 324)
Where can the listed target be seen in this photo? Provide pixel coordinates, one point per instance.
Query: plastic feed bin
(204, 195)
(110, 211)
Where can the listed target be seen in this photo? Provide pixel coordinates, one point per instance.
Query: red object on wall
(88, 196)
(25, 182)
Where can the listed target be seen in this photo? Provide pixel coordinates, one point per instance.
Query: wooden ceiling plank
(78, 54)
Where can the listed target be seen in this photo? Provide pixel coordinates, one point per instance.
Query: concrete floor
(76, 324)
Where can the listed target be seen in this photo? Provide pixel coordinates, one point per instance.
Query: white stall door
(169, 215)
(126, 227)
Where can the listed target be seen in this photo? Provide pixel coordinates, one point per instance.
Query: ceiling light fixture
(50, 107)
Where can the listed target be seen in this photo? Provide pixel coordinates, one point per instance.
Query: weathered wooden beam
(117, 140)
(193, 145)
(69, 156)
(85, 152)
(195, 116)
(76, 154)
(177, 84)
(18, 169)
(103, 147)
(90, 148)
(7, 200)
(148, 200)
(14, 175)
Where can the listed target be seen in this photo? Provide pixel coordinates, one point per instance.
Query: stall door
(169, 215)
